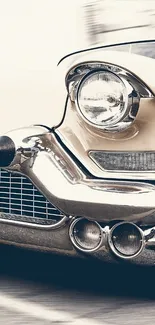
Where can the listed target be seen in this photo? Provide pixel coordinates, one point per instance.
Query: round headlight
(102, 98)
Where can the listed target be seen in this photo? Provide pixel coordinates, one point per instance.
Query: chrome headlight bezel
(135, 90)
(129, 113)
(114, 247)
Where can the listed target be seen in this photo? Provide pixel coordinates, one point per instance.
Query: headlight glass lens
(102, 98)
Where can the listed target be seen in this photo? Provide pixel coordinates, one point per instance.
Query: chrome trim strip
(132, 103)
(50, 168)
(56, 225)
(81, 69)
(106, 46)
(27, 219)
(55, 240)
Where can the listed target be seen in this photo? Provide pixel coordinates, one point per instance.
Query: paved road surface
(37, 288)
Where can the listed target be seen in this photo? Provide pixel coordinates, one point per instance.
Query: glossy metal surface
(20, 139)
(81, 138)
(106, 246)
(131, 103)
(135, 88)
(78, 71)
(50, 168)
(24, 223)
(21, 201)
(85, 238)
(132, 63)
(58, 241)
(122, 252)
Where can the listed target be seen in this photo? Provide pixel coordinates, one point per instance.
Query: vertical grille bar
(21, 196)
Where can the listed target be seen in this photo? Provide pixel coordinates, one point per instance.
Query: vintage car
(86, 185)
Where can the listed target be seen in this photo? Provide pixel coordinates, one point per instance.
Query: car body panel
(81, 138)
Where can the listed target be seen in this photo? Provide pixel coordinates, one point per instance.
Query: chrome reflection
(135, 89)
(78, 71)
(150, 238)
(86, 236)
(40, 157)
(107, 109)
(126, 240)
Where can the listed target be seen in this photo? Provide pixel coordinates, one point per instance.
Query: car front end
(86, 186)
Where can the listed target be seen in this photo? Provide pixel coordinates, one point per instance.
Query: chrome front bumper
(59, 177)
(40, 156)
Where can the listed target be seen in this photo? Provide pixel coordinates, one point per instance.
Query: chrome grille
(18, 197)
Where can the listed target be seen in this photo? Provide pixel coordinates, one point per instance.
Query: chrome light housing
(86, 236)
(106, 96)
(108, 123)
(126, 240)
(106, 100)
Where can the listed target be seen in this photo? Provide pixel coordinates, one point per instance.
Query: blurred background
(35, 34)
(112, 21)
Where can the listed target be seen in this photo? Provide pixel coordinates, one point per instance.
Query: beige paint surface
(80, 137)
(34, 35)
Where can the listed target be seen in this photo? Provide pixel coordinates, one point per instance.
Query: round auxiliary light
(126, 240)
(85, 235)
(105, 100)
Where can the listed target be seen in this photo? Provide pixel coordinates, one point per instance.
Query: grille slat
(36, 195)
(24, 205)
(14, 199)
(17, 210)
(18, 196)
